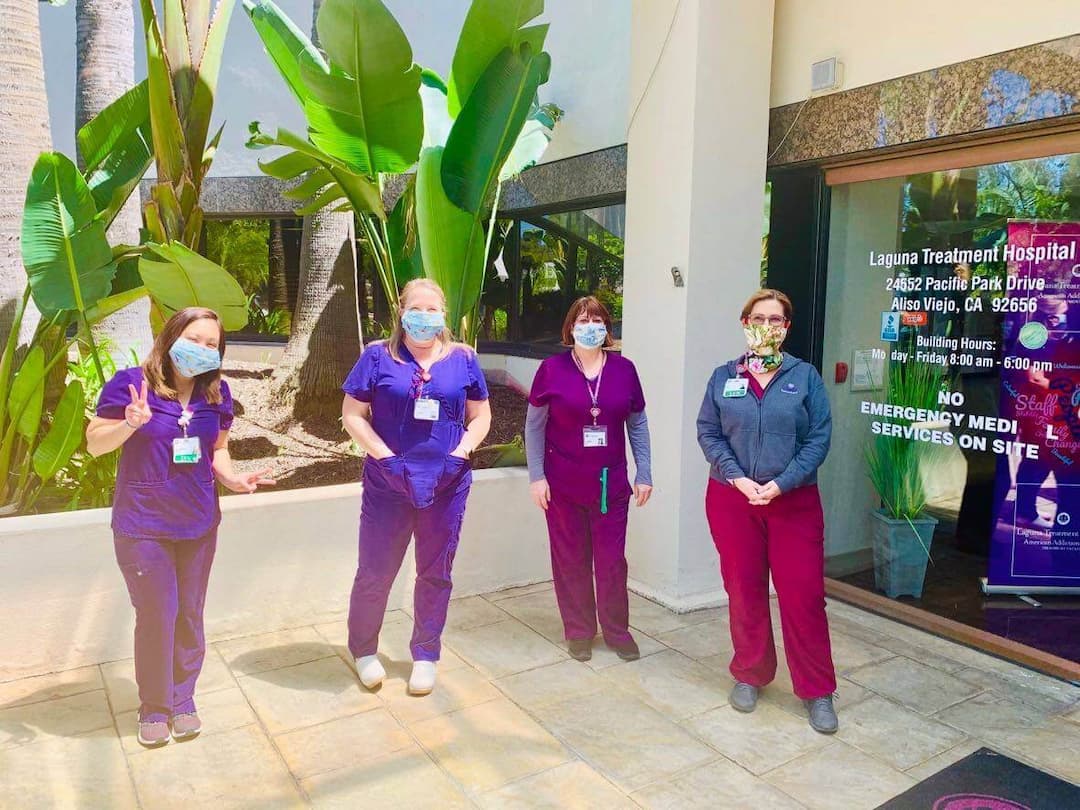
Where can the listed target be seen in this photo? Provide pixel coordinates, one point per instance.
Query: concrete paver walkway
(515, 723)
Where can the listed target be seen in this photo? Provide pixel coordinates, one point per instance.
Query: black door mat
(987, 780)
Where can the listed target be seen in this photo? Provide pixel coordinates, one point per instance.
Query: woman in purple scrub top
(583, 405)
(170, 418)
(418, 406)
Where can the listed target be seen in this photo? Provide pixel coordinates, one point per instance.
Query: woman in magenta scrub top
(170, 418)
(583, 404)
(418, 406)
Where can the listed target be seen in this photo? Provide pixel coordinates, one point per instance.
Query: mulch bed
(315, 451)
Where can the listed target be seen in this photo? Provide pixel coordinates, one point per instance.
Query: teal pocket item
(603, 491)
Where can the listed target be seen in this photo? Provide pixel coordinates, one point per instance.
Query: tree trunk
(24, 133)
(279, 291)
(325, 339)
(105, 37)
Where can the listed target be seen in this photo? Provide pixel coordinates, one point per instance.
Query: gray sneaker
(822, 715)
(744, 697)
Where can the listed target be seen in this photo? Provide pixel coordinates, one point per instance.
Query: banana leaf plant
(183, 62)
(76, 278)
(371, 112)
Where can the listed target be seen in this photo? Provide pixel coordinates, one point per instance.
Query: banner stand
(1024, 590)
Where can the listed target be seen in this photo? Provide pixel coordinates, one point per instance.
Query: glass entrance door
(952, 359)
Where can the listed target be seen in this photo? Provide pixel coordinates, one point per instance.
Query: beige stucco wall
(885, 39)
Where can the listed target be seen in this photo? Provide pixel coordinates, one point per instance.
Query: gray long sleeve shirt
(637, 431)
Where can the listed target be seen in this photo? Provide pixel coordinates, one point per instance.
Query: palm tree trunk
(24, 133)
(325, 339)
(279, 292)
(105, 47)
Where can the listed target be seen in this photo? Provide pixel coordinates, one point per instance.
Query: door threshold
(953, 630)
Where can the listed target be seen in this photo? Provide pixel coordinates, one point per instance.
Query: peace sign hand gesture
(249, 482)
(138, 413)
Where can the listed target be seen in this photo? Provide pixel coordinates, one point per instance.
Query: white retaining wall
(284, 559)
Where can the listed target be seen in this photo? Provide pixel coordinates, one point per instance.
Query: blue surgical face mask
(590, 335)
(423, 326)
(190, 359)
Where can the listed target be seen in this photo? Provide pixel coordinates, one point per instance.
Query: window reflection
(545, 261)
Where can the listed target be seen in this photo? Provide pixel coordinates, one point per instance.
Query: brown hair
(397, 334)
(158, 367)
(766, 294)
(588, 305)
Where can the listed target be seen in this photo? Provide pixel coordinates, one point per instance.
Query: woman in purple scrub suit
(581, 403)
(170, 418)
(418, 406)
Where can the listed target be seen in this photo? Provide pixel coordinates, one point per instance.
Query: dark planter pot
(899, 556)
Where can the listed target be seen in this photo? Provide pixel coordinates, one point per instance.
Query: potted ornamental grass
(903, 531)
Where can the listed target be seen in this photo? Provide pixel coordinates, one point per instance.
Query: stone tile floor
(515, 723)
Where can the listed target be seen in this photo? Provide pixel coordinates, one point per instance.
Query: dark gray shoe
(822, 715)
(580, 648)
(744, 697)
(627, 650)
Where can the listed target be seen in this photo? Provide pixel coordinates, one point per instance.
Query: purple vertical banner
(1036, 537)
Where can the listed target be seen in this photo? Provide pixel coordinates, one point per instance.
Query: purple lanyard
(594, 394)
(420, 378)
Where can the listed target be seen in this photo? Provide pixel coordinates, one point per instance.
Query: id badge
(595, 435)
(426, 410)
(186, 450)
(736, 387)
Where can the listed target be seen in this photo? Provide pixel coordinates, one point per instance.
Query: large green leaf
(28, 393)
(285, 43)
(168, 134)
(487, 128)
(362, 193)
(491, 26)
(290, 165)
(178, 51)
(177, 277)
(366, 111)
(64, 435)
(116, 148)
(64, 249)
(207, 69)
(404, 240)
(114, 303)
(451, 240)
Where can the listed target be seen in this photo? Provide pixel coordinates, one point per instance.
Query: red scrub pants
(583, 539)
(787, 537)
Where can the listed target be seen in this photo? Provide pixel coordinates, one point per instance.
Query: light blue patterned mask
(590, 335)
(190, 359)
(423, 326)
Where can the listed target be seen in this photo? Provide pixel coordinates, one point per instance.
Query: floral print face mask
(764, 342)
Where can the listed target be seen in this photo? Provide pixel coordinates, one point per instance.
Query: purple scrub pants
(584, 540)
(388, 520)
(167, 582)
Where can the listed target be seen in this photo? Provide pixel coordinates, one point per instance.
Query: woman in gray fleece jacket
(764, 427)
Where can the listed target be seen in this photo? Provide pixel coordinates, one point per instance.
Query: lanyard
(594, 394)
(421, 377)
(185, 420)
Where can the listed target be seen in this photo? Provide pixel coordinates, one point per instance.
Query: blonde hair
(766, 294)
(397, 334)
